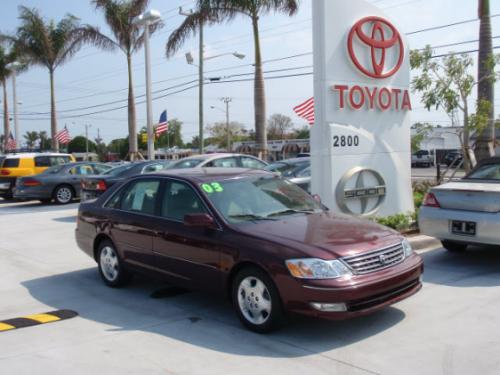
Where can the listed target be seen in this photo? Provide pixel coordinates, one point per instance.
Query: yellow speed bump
(36, 319)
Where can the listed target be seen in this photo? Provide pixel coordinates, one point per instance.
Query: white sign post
(360, 142)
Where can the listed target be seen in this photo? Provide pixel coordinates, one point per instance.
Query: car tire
(64, 194)
(111, 266)
(454, 247)
(257, 301)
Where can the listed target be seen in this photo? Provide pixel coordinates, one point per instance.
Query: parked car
(220, 160)
(27, 164)
(467, 211)
(93, 186)
(422, 158)
(453, 158)
(251, 236)
(297, 170)
(60, 183)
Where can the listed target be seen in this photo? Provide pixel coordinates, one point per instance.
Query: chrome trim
(368, 262)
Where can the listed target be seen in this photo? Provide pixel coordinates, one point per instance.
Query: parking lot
(450, 327)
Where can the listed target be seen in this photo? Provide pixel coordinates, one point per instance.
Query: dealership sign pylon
(360, 143)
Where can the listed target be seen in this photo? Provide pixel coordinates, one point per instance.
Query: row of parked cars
(58, 177)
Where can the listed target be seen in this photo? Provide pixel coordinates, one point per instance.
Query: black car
(297, 170)
(60, 183)
(93, 186)
(453, 158)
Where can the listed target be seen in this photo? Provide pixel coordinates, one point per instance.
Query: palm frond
(139, 42)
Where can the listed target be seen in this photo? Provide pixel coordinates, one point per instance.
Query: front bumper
(361, 294)
(436, 222)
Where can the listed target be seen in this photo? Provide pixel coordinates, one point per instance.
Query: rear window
(10, 163)
(486, 172)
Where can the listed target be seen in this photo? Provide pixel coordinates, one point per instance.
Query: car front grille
(376, 260)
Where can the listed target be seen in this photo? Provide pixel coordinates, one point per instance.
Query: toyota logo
(369, 43)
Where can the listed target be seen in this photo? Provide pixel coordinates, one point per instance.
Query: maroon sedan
(249, 235)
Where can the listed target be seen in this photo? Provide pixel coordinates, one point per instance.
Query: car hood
(323, 235)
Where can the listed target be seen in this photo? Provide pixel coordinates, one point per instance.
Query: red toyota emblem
(384, 36)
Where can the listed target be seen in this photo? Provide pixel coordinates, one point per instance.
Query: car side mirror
(201, 220)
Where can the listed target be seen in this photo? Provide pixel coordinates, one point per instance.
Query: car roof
(293, 161)
(33, 154)
(211, 156)
(211, 174)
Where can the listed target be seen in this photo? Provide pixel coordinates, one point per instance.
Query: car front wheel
(455, 247)
(110, 266)
(257, 301)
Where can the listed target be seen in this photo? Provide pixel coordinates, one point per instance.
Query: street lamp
(15, 66)
(147, 19)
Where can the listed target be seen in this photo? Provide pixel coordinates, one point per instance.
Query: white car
(465, 212)
(220, 160)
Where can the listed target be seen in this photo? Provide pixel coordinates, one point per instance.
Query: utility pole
(200, 82)
(226, 101)
(87, 126)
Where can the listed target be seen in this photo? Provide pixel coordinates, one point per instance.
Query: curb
(421, 242)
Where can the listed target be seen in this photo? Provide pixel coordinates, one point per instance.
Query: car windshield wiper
(290, 212)
(250, 217)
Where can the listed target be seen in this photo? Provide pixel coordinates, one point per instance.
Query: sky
(95, 78)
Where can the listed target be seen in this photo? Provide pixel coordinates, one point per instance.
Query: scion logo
(361, 192)
(379, 39)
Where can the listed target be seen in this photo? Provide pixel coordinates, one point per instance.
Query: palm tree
(129, 38)
(217, 11)
(51, 44)
(5, 59)
(485, 87)
(44, 140)
(31, 138)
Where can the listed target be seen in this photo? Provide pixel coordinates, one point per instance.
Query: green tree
(129, 38)
(218, 132)
(447, 83)
(45, 141)
(421, 130)
(6, 58)
(50, 44)
(119, 146)
(78, 144)
(302, 133)
(218, 11)
(278, 126)
(485, 143)
(173, 136)
(31, 138)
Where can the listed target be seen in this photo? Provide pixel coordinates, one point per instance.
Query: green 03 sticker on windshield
(213, 187)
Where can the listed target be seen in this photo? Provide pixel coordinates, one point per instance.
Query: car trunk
(469, 196)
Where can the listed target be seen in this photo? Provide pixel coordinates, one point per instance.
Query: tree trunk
(259, 95)
(53, 119)
(132, 136)
(6, 123)
(485, 90)
(466, 135)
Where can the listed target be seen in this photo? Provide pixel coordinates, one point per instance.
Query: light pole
(15, 66)
(87, 126)
(226, 101)
(147, 19)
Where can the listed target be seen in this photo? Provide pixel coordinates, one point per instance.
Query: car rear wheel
(257, 301)
(110, 265)
(455, 247)
(63, 194)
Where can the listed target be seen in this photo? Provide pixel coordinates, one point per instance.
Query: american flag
(306, 110)
(162, 124)
(63, 136)
(11, 143)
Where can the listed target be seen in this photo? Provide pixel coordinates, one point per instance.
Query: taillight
(101, 185)
(4, 172)
(431, 201)
(31, 182)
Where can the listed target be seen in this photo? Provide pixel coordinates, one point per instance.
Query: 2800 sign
(345, 141)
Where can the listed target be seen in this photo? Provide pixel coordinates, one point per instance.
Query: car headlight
(317, 268)
(407, 248)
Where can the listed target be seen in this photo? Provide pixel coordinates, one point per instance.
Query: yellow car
(20, 165)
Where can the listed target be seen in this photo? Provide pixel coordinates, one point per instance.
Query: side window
(98, 168)
(153, 168)
(306, 172)
(81, 170)
(58, 160)
(42, 161)
(251, 163)
(180, 199)
(140, 196)
(225, 163)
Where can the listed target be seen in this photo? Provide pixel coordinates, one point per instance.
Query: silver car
(219, 160)
(465, 212)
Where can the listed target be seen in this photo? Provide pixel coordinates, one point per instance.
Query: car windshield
(187, 163)
(54, 170)
(258, 198)
(486, 172)
(118, 170)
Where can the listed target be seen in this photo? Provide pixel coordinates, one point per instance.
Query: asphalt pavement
(450, 327)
